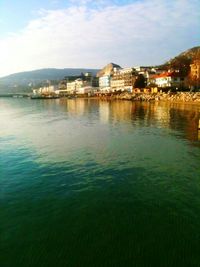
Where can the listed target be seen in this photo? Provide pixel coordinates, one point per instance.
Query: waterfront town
(128, 83)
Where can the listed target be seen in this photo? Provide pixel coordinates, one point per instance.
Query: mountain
(182, 61)
(108, 69)
(191, 53)
(24, 81)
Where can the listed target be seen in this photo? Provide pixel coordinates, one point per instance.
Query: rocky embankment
(179, 97)
(172, 97)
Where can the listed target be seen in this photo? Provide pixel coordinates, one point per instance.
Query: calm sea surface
(94, 183)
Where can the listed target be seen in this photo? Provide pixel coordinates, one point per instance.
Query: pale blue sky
(58, 33)
(14, 14)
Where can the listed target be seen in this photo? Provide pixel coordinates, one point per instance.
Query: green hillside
(24, 81)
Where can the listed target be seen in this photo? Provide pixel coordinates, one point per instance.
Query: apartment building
(123, 79)
(195, 70)
(104, 83)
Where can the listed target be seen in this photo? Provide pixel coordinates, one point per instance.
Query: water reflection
(172, 116)
(59, 127)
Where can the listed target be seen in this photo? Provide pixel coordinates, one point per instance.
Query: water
(96, 183)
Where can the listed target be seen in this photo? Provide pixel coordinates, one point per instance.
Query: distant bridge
(17, 95)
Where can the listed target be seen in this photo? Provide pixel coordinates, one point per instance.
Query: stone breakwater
(187, 97)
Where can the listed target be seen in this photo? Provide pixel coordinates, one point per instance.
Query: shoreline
(176, 98)
(189, 98)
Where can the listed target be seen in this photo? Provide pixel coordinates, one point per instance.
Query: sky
(39, 34)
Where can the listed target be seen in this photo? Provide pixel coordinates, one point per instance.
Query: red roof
(167, 74)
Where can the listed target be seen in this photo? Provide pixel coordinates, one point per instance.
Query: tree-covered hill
(24, 81)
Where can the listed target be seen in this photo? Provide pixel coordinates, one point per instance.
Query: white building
(45, 90)
(104, 83)
(85, 90)
(168, 79)
(73, 87)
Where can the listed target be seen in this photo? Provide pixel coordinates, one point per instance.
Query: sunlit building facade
(123, 79)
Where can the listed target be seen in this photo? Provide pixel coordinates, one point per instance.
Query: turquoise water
(96, 183)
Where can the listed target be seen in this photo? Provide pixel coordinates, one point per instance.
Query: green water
(96, 183)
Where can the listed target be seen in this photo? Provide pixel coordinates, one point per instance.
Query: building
(85, 90)
(195, 72)
(73, 87)
(123, 79)
(148, 72)
(46, 90)
(95, 82)
(168, 80)
(104, 83)
(105, 75)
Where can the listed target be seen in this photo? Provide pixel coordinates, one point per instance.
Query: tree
(140, 81)
(181, 64)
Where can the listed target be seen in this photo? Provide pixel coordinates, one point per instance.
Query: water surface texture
(97, 183)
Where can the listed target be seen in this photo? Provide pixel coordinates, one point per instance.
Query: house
(170, 79)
